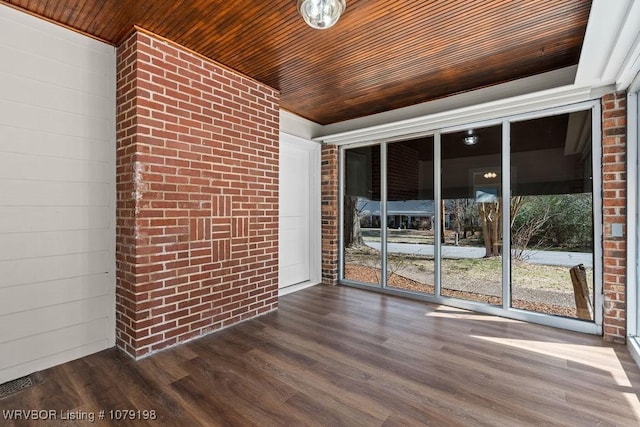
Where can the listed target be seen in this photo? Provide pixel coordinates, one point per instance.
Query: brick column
(197, 186)
(330, 214)
(614, 200)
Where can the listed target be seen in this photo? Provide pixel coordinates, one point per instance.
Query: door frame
(633, 210)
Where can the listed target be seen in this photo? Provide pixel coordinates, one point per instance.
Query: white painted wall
(57, 195)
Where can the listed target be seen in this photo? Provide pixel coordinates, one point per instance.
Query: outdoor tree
(491, 221)
(353, 233)
(468, 217)
(561, 220)
(571, 222)
(528, 223)
(490, 214)
(458, 216)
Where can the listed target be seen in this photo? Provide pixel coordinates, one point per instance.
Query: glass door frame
(505, 310)
(633, 212)
(594, 327)
(505, 190)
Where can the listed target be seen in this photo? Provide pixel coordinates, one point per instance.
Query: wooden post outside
(443, 222)
(581, 292)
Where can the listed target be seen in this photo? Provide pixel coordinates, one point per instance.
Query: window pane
(471, 215)
(552, 215)
(361, 203)
(410, 215)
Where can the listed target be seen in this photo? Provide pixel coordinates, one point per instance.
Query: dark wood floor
(336, 356)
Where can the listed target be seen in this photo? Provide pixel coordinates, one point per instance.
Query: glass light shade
(470, 140)
(321, 14)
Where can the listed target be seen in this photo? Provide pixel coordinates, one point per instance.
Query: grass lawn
(535, 287)
(489, 270)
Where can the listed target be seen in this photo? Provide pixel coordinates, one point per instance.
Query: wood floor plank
(343, 356)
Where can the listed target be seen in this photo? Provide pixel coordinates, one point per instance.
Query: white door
(297, 196)
(57, 195)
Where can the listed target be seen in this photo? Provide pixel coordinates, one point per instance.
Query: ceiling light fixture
(490, 175)
(321, 14)
(470, 139)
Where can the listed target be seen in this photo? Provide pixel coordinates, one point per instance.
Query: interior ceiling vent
(12, 387)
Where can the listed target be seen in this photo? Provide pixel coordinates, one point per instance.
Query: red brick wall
(614, 199)
(126, 122)
(197, 185)
(329, 171)
(403, 170)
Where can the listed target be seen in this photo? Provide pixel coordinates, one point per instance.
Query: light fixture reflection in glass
(321, 14)
(470, 139)
(490, 175)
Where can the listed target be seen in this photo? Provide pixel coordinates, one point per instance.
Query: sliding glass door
(496, 217)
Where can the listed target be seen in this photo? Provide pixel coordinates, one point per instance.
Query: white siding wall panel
(15, 114)
(45, 168)
(29, 219)
(41, 143)
(57, 195)
(16, 192)
(31, 66)
(31, 270)
(29, 364)
(15, 299)
(41, 347)
(50, 53)
(19, 325)
(47, 95)
(53, 243)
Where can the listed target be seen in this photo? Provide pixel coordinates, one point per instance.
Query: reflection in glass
(410, 215)
(551, 215)
(362, 262)
(471, 209)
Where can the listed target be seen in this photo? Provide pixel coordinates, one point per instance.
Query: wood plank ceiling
(381, 55)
